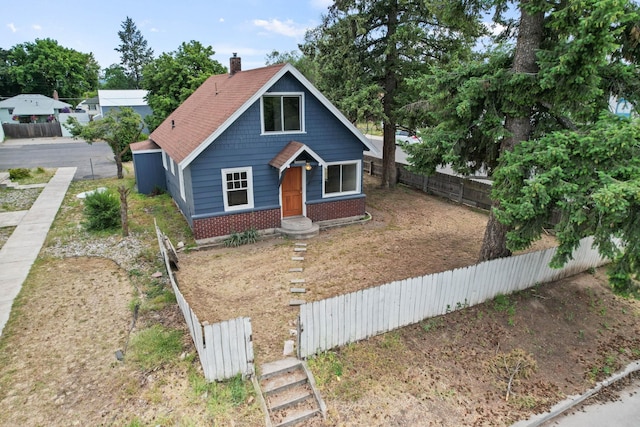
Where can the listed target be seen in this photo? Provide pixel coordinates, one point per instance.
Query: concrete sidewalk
(21, 250)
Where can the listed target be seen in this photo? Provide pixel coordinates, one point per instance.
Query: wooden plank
(353, 321)
(226, 350)
(372, 303)
(342, 331)
(236, 347)
(209, 361)
(323, 324)
(303, 332)
(360, 327)
(336, 320)
(383, 308)
(365, 314)
(404, 303)
(417, 286)
(197, 333)
(217, 345)
(394, 312)
(316, 327)
(248, 344)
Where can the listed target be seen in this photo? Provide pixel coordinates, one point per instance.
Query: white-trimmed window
(237, 188)
(164, 160)
(282, 113)
(342, 178)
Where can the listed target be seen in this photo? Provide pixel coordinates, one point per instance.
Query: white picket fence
(225, 349)
(340, 320)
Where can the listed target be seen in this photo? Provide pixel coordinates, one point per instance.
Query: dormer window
(283, 113)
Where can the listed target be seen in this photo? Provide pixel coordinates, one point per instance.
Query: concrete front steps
(298, 227)
(289, 391)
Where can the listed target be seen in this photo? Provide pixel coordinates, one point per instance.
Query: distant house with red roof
(261, 149)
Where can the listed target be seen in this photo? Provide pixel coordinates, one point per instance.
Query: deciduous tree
(115, 78)
(119, 128)
(44, 66)
(173, 76)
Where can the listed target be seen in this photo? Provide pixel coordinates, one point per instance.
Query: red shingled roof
(144, 145)
(208, 108)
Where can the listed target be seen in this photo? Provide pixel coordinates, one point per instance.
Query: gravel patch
(124, 251)
(18, 200)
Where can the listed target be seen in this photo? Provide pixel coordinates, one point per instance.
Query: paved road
(624, 412)
(91, 161)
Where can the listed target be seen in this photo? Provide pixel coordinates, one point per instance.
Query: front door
(292, 192)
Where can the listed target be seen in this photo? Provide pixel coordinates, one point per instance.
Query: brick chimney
(234, 64)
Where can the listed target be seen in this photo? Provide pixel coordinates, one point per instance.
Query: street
(92, 160)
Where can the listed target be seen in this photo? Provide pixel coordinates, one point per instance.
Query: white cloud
(287, 28)
(154, 30)
(321, 4)
(36, 27)
(221, 20)
(494, 28)
(12, 27)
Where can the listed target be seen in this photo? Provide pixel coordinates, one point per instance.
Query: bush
(102, 211)
(19, 173)
(236, 239)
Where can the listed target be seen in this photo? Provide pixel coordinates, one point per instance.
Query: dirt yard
(57, 364)
(410, 234)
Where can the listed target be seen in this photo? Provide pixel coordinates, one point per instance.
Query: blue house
(260, 149)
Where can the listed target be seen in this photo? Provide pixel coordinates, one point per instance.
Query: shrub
(102, 211)
(236, 239)
(19, 173)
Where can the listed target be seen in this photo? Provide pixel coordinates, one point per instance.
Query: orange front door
(292, 192)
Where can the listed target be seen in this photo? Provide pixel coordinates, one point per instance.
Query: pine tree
(134, 53)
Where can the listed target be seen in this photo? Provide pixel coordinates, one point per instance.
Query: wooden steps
(289, 392)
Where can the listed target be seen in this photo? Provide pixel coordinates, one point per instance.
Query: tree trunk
(118, 159)
(494, 244)
(389, 171)
(124, 209)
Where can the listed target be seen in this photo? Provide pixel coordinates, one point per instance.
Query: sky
(251, 28)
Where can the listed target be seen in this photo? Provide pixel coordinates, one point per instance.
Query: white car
(403, 136)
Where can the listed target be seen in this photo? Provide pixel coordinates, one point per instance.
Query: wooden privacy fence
(340, 320)
(225, 349)
(32, 130)
(457, 188)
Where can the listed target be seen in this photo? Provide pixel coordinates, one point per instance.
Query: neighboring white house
(133, 98)
(30, 108)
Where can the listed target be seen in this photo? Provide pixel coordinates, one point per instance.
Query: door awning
(292, 152)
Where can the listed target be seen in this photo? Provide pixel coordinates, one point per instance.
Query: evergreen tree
(567, 60)
(366, 49)
(134, 52)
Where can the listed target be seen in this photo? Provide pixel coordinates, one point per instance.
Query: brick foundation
(334, 210)
(224, 225)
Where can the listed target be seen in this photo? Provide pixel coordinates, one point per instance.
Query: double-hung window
(342, 179)
(283, 113)
(237, 186)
